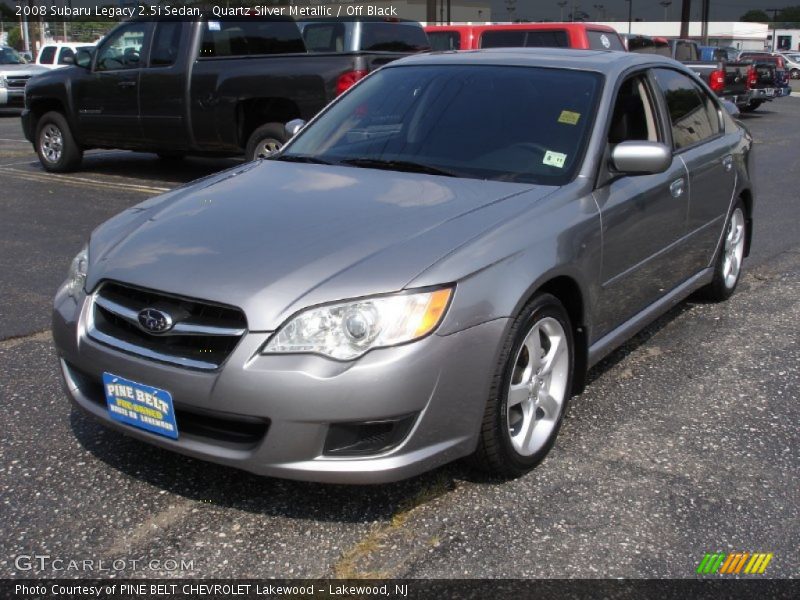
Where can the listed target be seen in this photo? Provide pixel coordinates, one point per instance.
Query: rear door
(701, 144)
(108, 99)
(162, 84)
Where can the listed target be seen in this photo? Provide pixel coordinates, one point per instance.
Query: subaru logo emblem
(153, 320)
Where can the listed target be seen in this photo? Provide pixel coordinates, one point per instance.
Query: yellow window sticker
(569, 118)
(554, 159)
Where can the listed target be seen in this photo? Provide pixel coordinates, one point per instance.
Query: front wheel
(753, 106)
(265, 140)
(795, 73)
(530, 392)
(728, 266)
(57, 149)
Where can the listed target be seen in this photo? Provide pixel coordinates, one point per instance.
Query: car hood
(273, 237)
(21, 69)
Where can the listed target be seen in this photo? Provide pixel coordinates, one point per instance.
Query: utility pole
(686, 16)
(630, 16)
(561, 5)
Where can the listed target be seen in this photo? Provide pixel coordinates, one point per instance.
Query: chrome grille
(17, 81)
(202, 337)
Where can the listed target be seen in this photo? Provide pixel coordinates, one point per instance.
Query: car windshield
(504, 123)
(9, 56)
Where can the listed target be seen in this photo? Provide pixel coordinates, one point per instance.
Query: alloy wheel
(538, 387)
(734, 248)
(266, 147)
(51, 141)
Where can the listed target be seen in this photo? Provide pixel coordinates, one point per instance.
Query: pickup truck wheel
(752, 106)
(58, 152)
(795, 73)
(530, 390)
(728, 266)
(265, 140)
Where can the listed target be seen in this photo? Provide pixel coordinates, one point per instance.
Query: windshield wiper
(397, 165)
(302, 158)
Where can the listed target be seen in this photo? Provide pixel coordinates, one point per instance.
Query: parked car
(15, 72)
(767, 78)
(425, 272)
(221, 88)
(728, 79)
(538, 35)
(60, 54)
(792, 62)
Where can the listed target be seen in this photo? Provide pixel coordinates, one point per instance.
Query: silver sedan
(424, 272)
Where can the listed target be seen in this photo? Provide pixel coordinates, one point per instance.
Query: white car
(60, 54)
(15, 72)
(792, 60)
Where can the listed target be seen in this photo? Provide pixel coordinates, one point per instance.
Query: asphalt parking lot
(685, 442)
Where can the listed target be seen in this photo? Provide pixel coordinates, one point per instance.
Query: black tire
(496, 454)
(51, 127)
(167, 155)
(721, 288)
(753, 106)
(271, 133)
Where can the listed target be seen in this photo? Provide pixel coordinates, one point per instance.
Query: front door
(108, 100)
(643, 216)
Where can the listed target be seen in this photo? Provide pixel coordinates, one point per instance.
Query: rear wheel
(58, 152)
(531, 388)
(728, 267)
(265, 140)
(753, 105)
(795, 73)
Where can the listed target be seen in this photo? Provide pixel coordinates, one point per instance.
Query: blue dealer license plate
(140, 405)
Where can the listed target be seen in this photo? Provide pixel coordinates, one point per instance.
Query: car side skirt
(614, 338)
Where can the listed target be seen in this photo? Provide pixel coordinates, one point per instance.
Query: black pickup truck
(210, 87)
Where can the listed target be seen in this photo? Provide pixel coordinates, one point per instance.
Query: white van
(60, 54)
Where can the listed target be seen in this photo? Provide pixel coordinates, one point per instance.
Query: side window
(123, 49)
(65, 53)
(47, 55)
(249, 38)
(519, 38)
(692, 112)
(604, 40)
(445, 40)
(633, 118)
(324, 37)
(166, 43)
(379, 36)
(685, 52)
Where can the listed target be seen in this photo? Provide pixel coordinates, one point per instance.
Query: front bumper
(12, 98)
(442, 380)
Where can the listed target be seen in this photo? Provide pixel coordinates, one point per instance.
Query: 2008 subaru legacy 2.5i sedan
(425, 272)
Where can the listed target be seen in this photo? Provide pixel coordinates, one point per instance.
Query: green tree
(755, 16)
(790, 14)
(15, 38)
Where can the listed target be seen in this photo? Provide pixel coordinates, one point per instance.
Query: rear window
(47, 55)
(247, 38)
(393, 37)
(445, 40)
(324, 37)
(684, 51)
(604, 40)
(520, 38)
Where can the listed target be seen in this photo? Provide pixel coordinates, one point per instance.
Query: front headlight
(76, 278)
(350, 329)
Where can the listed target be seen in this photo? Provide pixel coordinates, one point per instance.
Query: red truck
(586, 36)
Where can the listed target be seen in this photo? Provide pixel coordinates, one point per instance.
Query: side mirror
(732, 109)
(294, 126)
(641, 158)
(83, 58)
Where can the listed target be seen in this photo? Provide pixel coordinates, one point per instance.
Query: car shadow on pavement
(148, 167)
(219, 485)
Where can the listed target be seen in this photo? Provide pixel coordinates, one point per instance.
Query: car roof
(602, 61)
(524, 26)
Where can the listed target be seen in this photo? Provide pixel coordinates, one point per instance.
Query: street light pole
(630, 16)
(562, 4)
(666, 4)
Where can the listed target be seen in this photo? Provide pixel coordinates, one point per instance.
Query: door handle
(727, 163)
(126, 84)
(677, 188)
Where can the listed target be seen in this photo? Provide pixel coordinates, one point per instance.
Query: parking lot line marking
(13, 140)
(82, 181)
